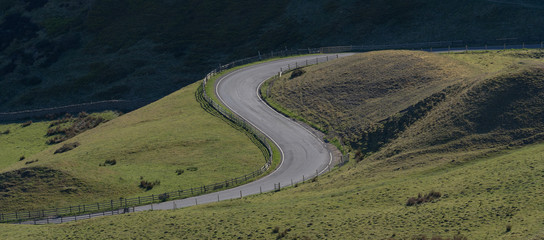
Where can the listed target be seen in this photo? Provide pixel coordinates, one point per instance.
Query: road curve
(303, 154)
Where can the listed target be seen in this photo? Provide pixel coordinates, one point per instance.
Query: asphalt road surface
(303, 154)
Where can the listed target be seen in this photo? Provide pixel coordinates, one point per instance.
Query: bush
(67, 147)
(431, 196)
(163, 197)
(30, 162)
(297, 73)
(508, 228)
(56, 139)
(26, 124)
(276, 229)
(82, 115)
(108, 162)
(82, 123)
(148, 185)
(6, 132)
(179, 171)
(22, 158)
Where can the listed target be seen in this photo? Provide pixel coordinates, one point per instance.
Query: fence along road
(303, 154)
(238, 90)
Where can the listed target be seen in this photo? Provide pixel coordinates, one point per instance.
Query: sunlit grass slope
(479, 200)
(476, 142)
(149, 144)
(27, 138)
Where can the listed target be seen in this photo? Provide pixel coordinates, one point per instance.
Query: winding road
(303, 154)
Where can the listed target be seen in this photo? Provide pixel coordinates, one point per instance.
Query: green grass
(148, 144)
(21, 141)
(487, 171)
(27, 141)
(479, 199)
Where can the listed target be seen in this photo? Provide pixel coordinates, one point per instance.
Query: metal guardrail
(126, 203)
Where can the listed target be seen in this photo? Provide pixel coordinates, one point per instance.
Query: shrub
(82, 123)
(108, 162)
(148, 185)
(22, 158)
(82, 115)
(26, 124)
(56, 139)
(297, 73)
(6, 132)
(163, 197)
(192, 169)
(179, 171)
(30, 162)
(420, 199)
(67, 147)
(508, 228)
(276, 229)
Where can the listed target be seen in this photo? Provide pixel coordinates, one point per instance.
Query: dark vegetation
(148, 185)
(30, 162)
(67, 147)
(297, 73)
(26, 124)
(109, 162)
(106, 49)
(420, 199)
(70, 126)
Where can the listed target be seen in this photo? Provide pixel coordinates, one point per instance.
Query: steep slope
(419, 106)
(56, 52)
(172, 141)
(495, 196)
(349, 97)
(495, 113)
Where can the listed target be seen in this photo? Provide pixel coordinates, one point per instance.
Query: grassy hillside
(479, 200)
(347, 96)
(150, 144)
(472, 185)
(21, 140)
(56, 52)
(415, 103)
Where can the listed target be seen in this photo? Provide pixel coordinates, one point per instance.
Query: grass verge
(150, 144)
